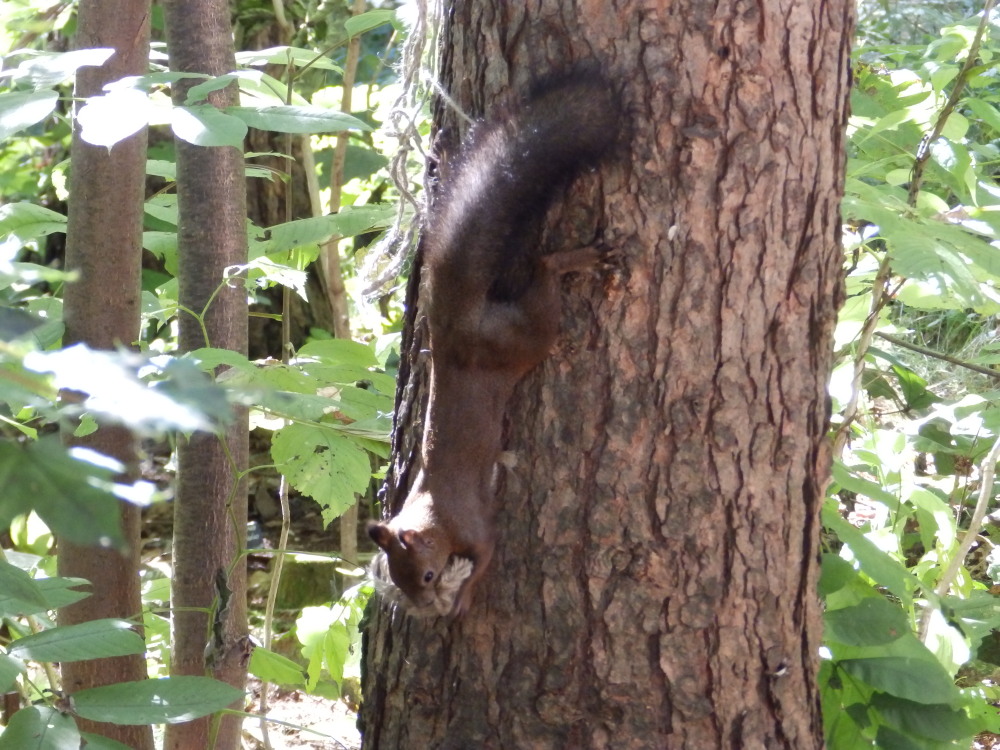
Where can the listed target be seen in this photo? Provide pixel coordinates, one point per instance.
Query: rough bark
(654, 584)
(101, 309)
(210, 509)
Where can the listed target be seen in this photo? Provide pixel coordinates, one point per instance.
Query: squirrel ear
(412, 538)
(380, 534)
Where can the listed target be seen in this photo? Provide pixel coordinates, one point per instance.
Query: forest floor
(328, 724)
(299, 721)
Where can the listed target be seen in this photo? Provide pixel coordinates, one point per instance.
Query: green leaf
(10, 670)
(935, 722)
(847, 479)
(882, 568)
(339, 352)
(281, 55)
(347, 223)
(115, 392)
(914, 388)
(871, 622)
(322, 464)
(27, 221)
(336, 646)
(204, 125)
(199, 92)
(296, 119)
(921, 680)
(17, 588)
(22, 109)
(72, 496)
(272, 667)
(90, 640)
(170, 700)
(835, 574)
(985, 112)
(164, 246)
(40, 728)
(363, 22)
(44, 69)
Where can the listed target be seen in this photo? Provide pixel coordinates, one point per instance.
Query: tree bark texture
(210, 509)
(654, 582)
(101, 310)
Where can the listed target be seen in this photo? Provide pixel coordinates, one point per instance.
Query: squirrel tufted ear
(380, 534)
(413, 538)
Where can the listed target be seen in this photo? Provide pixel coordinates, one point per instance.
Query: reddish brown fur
(493, 314)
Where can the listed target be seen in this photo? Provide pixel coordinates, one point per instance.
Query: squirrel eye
(428, 576)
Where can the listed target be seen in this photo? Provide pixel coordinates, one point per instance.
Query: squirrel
(493, 309)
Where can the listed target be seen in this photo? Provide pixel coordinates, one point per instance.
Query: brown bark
(101, 309)
(654, 582)
(210, 510)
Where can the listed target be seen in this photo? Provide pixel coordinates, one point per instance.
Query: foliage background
(910, 569)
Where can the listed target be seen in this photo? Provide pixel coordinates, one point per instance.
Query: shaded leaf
(89, 640)
(40, 728)
(170, 700)
(871, 622)
(920, 680)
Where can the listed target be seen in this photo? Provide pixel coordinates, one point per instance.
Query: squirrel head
(416, 559)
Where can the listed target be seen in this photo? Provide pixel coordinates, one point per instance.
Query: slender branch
(938, 355)
(879, 300)
(987, 471)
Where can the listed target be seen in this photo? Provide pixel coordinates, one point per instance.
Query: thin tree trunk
(101, 309)
(210, 510)
(654, 581)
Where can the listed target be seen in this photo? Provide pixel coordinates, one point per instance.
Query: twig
(938, 355)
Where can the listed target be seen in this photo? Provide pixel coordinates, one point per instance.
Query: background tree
(210, 512)
(659, 534)
(101, 309)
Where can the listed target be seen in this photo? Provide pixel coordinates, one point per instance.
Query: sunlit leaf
(22, 109)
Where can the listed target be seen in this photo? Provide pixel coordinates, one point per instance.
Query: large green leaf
(40, 728)
(296, 119)
(920, 680)
(204, 125)
(882, 568)
(367, 21)
(349, 222)
(322, 464)
(871, 622)
(10, 670)
(17, 589)
(95, 639)
(42, 69)
(170, 700)
(272, 667)
(72, 496)
(27, 221)
(22, 109)
(942, 723)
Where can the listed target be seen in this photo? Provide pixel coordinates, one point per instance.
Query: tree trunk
(210, 510)
(101, 309)
(654, 580)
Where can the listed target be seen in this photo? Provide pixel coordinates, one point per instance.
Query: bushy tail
(487, 220)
